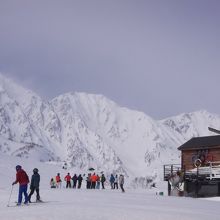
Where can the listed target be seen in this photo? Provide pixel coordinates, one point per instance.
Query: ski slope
(105, 205)
(85, 204)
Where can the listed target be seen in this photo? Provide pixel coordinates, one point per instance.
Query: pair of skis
(28, 204)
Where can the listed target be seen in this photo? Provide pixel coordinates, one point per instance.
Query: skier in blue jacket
(112, 180)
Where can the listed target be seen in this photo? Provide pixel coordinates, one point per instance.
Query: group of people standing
(115, 180)
(93, 181)
(57, 182)
(23, 180)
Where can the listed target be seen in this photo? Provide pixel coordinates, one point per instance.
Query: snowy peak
(193, 124)
(16, 92)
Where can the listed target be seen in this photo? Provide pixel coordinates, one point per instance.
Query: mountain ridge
(89, 130)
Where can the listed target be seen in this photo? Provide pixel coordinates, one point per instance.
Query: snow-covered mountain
(87, 130)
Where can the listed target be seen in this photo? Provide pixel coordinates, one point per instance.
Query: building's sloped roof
(201, 143)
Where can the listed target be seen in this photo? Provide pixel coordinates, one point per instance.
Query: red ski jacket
(22, 177)
(94, 178)
(58, 179)
(67, 178)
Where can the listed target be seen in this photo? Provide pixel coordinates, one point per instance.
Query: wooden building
(199, 151)
(199, 171)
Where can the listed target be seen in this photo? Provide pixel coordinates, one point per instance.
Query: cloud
(153, 56)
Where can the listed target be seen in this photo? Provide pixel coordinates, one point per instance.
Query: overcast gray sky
(157, 56)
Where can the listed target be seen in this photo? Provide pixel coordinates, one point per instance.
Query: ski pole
(10, 196)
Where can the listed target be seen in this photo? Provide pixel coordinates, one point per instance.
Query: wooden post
(169, 188)
(218, 188)
(197, 184)
(164, 175)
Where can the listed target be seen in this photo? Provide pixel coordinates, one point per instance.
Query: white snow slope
(86, 130)
(85, 204)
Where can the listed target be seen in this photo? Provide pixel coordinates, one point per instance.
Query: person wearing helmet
(35, 183)
(23, 180)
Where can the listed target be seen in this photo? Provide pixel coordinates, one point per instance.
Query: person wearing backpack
(112, 180)
(23, 180)
(35, 183)
(103, 179)
(52, 183)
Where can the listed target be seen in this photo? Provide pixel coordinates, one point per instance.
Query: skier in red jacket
(68, 179)
(23, 180)
(58, 181)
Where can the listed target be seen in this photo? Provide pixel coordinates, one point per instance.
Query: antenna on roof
(214, 130)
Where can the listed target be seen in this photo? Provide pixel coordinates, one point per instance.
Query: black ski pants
(103, 187)
(32, 192)
(122, 188)
(79, 184)
(74, 184)
(88, 185)
(68, 184)
(93, 185)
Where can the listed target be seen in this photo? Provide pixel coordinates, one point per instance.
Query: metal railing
(210, 171)
(170, 169)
